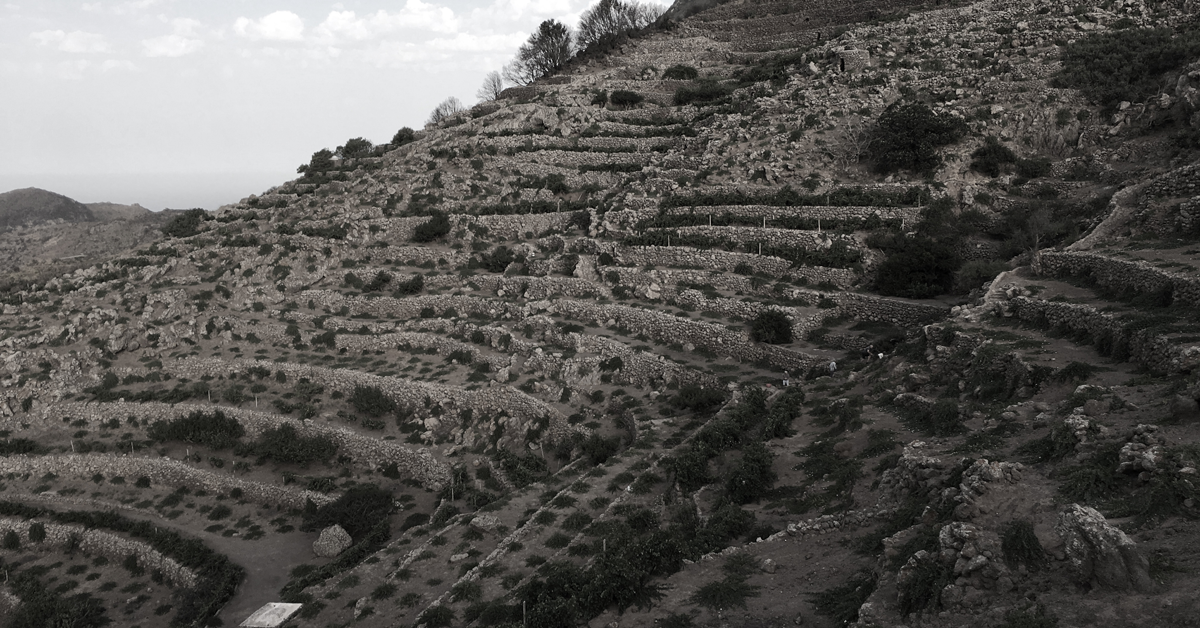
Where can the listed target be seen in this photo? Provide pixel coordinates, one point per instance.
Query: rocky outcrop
(333, 541)
(1099, 553)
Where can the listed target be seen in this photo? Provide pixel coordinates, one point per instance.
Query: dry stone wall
(1153, 351)
(1119, 275)
(371, 452)
(681, 256)
(100, 543)
(671, 329)
(159, 470)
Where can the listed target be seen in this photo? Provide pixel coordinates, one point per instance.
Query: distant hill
(32, 205)
(114, 211)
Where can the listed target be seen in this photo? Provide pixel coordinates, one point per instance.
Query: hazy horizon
(154, 191)
(179, 103)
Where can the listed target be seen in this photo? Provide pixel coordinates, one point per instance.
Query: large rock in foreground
(333, 541)
(1100, 553)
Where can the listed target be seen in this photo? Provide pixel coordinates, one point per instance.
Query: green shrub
(917, 267)
(728, 593)
(681, 73)
(185, 225)
(284, 444)
(1125, 65)
(1037, 617)
(908, 134)
(975, 273)
(1021, 545)
(404, 136)
(700, 92)
(212, 429)
(412, 285)
(699, 398)
(625, 98)
(841, 603)
(437, 617)
(371, 401)
(437, 226)
(771, 327)
(753, 475)
(922, 585)
(357, 510)
(992, 157)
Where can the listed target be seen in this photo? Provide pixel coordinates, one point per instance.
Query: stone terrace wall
(417, 396)
(1119, 275)
(100, 543)
(365, 450)
(728, 260)
(907, 216)
(162, 471)
(1153, 351)
(640, 369)
(776, 237)
(666, 328)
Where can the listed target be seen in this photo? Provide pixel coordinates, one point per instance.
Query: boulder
(333, 541)
(1100, 553)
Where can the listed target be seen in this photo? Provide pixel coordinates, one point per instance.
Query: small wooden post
(524, 615)
(818, 225)
(760, 248)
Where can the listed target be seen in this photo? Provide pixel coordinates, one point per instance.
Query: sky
(199, 103)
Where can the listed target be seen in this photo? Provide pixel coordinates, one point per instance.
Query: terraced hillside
(529, 367)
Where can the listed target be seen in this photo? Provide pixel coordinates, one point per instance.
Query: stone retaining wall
(1155, 352)
(1119, 275)
(670, 329)
(100, 543)
(162, 471)
(728, 260)
(522, 411)
(368, 451)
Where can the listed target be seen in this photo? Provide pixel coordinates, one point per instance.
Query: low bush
(357, 511)
(992, 158)
(700, 92)
(1125, 65)
(681, 73)
(371, 401)
(771, 327)
(437, 226)
(907, 136)
(624, 98)
(284, 444)
(841, 603)
(212, 429)
(699, 398)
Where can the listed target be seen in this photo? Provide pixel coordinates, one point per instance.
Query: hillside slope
(32, 205)
(529, 368)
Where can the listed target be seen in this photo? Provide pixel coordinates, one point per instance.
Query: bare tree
(546, 51)
(610, 19)
(493, 84)
(446, 109)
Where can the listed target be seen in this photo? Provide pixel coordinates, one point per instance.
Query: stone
(333, 541)
(768, 565)
(458, 558)
(1100, 553)
(485, 523)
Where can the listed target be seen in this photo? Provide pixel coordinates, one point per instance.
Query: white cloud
(74, 41)
(122, 8)
(468, 42)
(278, 26)
(117, 64)
(170, 46)
(416, 15)
(181, 42)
